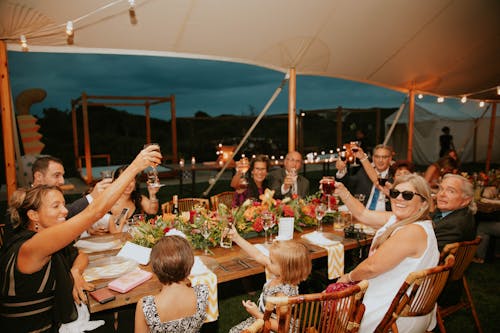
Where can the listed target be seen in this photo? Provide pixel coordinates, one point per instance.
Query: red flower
(288, 211)
(167, 229)
(256, 203)
(295, 196)
(257, 225)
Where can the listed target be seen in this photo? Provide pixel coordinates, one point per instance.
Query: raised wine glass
(320, 212)
(328, 186)
(355, 149)
(293, 174)
(152, 172)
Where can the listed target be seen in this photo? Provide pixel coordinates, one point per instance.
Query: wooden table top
(227, 264)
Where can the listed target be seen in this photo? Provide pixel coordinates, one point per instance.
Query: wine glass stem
(320, 226)
(328, 201)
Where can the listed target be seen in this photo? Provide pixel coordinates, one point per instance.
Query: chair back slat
(418, 294)
(339, 311)
(185, 205)
(464, 253)
(225, 197)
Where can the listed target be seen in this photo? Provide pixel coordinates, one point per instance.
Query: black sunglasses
(407, 195)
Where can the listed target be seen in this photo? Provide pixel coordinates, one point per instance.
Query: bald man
(286, 181)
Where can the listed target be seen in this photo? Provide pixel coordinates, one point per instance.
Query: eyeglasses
(407, 195)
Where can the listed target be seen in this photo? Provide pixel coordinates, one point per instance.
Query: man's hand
(79, 286)
(340, 165)
(100, 187)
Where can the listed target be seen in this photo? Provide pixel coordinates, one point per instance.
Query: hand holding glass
(152, 172)
(268, 222)
(328, 187)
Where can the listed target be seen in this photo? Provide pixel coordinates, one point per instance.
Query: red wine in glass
(329, 187)
(343, 156)
(382, 181)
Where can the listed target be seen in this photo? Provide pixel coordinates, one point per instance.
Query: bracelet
(364, 158)
(349, 277)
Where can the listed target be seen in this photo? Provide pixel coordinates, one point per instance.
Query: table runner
(335, 250)
(210, 279)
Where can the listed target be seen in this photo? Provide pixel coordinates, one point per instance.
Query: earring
(36, 226)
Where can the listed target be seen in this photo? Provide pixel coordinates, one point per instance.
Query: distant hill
(122, 135)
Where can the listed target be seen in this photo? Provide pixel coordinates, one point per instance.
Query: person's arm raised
(36, 251)
(361, 213)
(250, 249)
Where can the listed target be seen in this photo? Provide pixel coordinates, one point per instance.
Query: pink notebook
(130, 280)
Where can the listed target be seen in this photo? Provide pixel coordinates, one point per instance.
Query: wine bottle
(175, 203)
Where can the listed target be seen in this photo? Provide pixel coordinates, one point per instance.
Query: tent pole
(74, 123)
(339, 126)
(491, 136)
(411, 121)
(7, 121)
(292, 114)
(173, 124)
(86, 138)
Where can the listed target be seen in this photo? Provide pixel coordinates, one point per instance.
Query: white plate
(98, 244)
(110, 267)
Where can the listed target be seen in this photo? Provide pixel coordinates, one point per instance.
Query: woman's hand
(344, 279)
(251, 308)
(79, 286)
(149, 156)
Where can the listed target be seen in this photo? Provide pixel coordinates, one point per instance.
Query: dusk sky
(211, 86)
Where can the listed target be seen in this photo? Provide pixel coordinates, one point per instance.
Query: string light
(131, 12)
(440, 99)
(498, 90)
(420, 96)
(463, 99)
(69, 32)
(481, 104)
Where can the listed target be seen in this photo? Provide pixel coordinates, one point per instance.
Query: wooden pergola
(91, 100)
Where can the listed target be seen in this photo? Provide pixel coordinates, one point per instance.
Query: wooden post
(173, 124)
(292, 114)
(474, 141)
(148, 123)
(86, 139)
(339, 127)
(411, 121)
(491, 136)
(7, 121)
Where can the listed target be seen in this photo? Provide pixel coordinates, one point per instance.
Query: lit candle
(193, 160)
(181, 163)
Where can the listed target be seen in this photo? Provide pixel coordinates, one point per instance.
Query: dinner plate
(97, 244)
(109, 268)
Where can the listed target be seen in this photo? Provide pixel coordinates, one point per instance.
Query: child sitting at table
(178, 307)
(289, 262)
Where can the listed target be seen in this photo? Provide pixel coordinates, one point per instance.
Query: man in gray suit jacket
(454, 218)
(286, 181)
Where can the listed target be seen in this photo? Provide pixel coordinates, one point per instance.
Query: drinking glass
(293, 173)
(355, 149)
(382, 180)
(320, 212)
(106, 174)
(205, 232)
(268, 222)
(328, 186)
(242, 167)
(343, 155)
(152, 172)
(360, 197)
(225, 238)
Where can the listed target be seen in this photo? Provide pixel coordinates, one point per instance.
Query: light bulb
(69, 28)
(440, 99)
(131, 4)
(420, 96)
(481, 104)
(463, 99)
(498, 90)
(24, 43)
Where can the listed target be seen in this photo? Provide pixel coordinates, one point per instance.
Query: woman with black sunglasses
(404, 243)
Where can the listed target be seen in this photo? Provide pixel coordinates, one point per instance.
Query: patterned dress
(283, 289)
(191, 324)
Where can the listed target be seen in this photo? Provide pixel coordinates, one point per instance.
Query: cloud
(212, 86)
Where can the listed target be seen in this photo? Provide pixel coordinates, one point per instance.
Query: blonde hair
(421, 187)
(24, 200)
(293, 259)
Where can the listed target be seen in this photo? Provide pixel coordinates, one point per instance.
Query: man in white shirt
(364, 180)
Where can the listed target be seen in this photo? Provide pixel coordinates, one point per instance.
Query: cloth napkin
(202, 275)
(82, 323)
(89, 246)
(109, 270)
(335, 250)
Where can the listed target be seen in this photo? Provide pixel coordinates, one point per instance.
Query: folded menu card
(130, 280)
(136, 252)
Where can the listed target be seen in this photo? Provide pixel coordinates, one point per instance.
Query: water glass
(225, 239)
(105, 174)
(320, 212)
(268, 223)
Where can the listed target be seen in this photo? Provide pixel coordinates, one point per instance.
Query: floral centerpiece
(247, 219)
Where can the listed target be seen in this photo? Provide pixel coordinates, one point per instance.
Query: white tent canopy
(430, 118)
(441, 47)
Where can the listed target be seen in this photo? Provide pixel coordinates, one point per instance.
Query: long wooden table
(227, 264)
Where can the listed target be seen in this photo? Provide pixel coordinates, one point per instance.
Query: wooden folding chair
(464, 253)
(417, 296)
(185, 205)
(256, 327)
(339, 311)
(166, 207)
(225, 197)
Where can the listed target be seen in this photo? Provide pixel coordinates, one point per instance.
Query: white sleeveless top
(382, 289)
